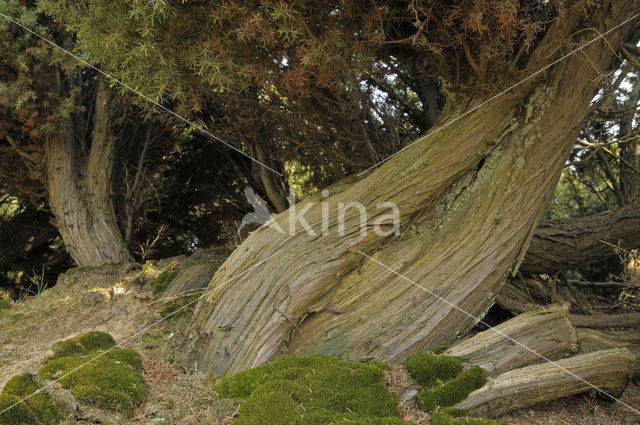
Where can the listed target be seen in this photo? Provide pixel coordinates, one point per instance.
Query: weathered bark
(595, 332)
(524, 295)
(83, 205)
(545, 332)
(608, 370)
(608, 321)
(196, 272)
(594, 340)
(577, 242)
(529, 294)
(472, 193)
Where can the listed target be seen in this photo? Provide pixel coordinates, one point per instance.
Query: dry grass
(582, 409)
(106, 300)
(187, 394)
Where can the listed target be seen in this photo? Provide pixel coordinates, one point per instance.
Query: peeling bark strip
(473, 192)
(546, 331)
(83, 207)
(608, 370)
(579, 242)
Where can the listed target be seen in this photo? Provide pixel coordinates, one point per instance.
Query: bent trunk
(469, 198)
(83, 206)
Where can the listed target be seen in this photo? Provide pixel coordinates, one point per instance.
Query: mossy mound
(313, 390)
(83, 344)
(428, 369)
(444, 382)
(163, 280)
(38, 409)
(107, 379)
(453, 391)
(20, 414)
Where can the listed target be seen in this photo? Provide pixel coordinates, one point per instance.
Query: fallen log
(518, 296)
(547, 332)
(577, 242)
(595, 339)
(606, 321)
(608, 370)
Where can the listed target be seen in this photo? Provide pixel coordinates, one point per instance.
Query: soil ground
(112, 300)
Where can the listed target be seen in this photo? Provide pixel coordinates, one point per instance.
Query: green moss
(310, 390)
(163, 280)
(5, 304)
(155, 338)
(140, 280)
(439, 350)
(453, 391)
(20, 414)
(354, 420)
(83, 344)
(107, 379)
(218, 254)
(274, 395)
(427, 368)
(443, 385)
(40, 405)
(73, 270)
(453, 412)
(174, 309)
(149, 266)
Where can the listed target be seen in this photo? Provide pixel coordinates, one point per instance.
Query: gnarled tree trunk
(469, 198)
(81, 198)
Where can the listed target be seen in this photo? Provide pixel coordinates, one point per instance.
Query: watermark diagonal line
(140, 332)
(128, 87)
(498, 331)
(475, 108)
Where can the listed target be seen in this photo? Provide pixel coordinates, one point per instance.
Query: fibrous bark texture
(469, 198)
(607, 370)
(81, 199)
(578, 242)
(528, 338)
(596, 339)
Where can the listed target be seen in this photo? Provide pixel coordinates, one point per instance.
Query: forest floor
(112, 300)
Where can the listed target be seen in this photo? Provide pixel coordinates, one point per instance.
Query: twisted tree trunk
(81, 198)
(469, 198)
